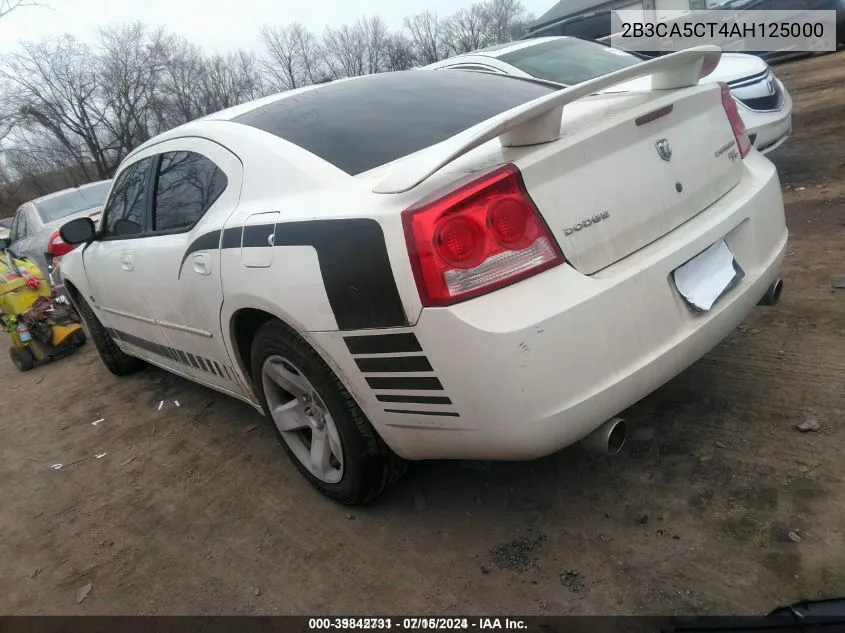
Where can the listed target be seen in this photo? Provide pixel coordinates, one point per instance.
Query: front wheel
(22, 358)
(115, 360)
(323, 429)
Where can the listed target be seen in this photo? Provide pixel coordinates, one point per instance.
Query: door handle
(201, 263)
(127, 263)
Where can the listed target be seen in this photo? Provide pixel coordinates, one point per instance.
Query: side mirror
(78, 231)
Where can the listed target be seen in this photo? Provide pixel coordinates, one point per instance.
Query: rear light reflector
(484, 235)
(58, 247)
(740, 134)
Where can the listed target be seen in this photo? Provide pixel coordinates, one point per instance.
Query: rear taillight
(742, 140)
(482, 236)
(58, 247)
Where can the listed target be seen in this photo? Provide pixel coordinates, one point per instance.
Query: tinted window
(589, 28)
(126, 209)
(188, 184)
(67, 203)
(362, 123)
(569, 61)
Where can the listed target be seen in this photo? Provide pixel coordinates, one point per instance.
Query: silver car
(5, 225)
(34, 233)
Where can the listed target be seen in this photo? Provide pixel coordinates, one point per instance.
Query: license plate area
(707, 277)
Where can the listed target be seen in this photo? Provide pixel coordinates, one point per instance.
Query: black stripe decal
(451, 414)
(219, 371)
(167, 352)
(228, 375)
(383, 343)
(423, 383)
(386, 397)
(232, 238)
(394, 363)
(205, 242)
(201, 361)
(353, 259)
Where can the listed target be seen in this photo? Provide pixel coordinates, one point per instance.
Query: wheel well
(245, 323)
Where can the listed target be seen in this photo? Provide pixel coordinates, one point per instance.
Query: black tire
(369, 465)
(79, 339)
(113, 358)
(22, 358)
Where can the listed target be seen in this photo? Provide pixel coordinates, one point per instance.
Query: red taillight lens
(459, 241)
(483, 236)
(742, 140)
(58, 247)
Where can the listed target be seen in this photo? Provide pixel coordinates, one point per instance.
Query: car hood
(732, 66)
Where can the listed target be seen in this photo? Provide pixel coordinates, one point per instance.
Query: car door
(117, 277)
(196, 188)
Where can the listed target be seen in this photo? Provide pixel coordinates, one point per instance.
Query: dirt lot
(195, 509)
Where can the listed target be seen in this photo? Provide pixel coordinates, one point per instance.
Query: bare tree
(376, 38)
(467, 29)
(7, 6)
(180, 92)
(283, 56)
(232, 79)
(398, 53)
(130, 70)
(56, 91)
(426, 31)
(504, 20)
(345, 50)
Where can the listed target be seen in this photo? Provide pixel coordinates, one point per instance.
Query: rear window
(363, 123)
(569, 61)
(66, 204)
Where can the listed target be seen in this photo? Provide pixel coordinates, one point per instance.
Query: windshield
(73, 201)
(569, 61)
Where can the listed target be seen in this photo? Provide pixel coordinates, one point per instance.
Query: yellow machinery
(41, 328)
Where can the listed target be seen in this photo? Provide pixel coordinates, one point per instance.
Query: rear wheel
(79, 339)
(112, 356)
(22, 358)
(318, 422)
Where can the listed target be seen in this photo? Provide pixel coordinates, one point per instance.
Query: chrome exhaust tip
(608, 439)
(772, 295)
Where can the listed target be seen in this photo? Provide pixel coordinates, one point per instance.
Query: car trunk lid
(631, 168)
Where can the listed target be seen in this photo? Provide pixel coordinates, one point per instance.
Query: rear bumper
(532, 368)
(768, 130)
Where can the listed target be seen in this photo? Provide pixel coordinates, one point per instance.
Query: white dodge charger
(429, 265)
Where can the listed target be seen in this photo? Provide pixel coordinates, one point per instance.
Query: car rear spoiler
(539, 121)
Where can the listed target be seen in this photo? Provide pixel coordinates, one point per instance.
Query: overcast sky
(214, 24)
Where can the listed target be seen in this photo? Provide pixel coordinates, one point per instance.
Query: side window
(188, 184)
(22, 225)
(126, 209)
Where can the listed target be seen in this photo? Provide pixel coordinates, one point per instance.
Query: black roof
(369, 121)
